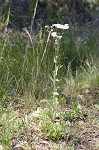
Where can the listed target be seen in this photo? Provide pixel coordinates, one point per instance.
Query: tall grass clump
(85, 78)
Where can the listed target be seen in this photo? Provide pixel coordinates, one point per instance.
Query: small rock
(44, 142)
(80, 123)
(18, 147)
(22, 146)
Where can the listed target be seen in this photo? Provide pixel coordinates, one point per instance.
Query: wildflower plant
(54, 78)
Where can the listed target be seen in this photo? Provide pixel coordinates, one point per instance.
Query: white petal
(54, 34)
(60, 26)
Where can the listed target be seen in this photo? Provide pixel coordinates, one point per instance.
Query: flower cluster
(55, 35)
(58, 26)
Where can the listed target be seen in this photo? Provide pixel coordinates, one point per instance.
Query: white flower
(54, 34)
(1, 58)
(60, 26)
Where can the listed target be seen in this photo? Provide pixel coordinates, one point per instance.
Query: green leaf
(56, 102)
(55, 93)
(55, 61)
(44, 101)
(97, 106)
(51, 78)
